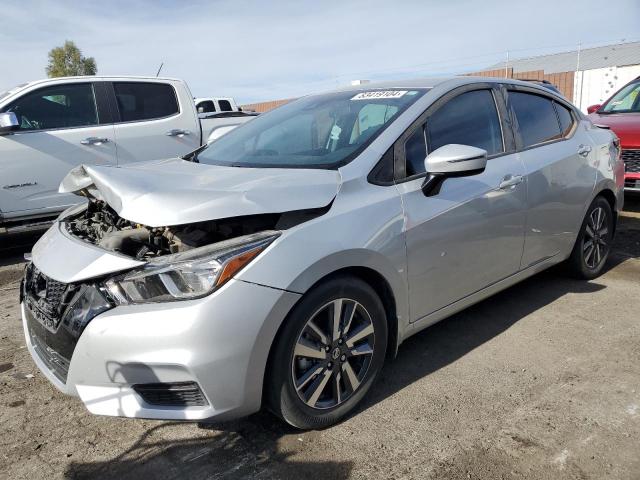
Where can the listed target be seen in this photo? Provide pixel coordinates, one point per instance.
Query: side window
(415, 151)
(536, 117)
(565, 118)
(59, 106)
(468, 119)
(225, 105)
(145, 101)
(206, 107)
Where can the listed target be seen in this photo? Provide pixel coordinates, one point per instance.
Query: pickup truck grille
(631, 160)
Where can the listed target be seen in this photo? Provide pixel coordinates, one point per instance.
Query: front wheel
(593, 244)
(328, 353)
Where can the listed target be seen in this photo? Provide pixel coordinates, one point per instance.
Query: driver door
(470, 233)
(60, 128)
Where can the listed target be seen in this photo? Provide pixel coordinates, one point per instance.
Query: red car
(621, 113)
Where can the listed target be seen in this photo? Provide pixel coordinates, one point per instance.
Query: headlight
(191, 274)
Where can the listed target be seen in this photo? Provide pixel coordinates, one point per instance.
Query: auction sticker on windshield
(379, 94)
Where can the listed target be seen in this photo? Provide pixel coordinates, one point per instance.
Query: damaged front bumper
(184, 360)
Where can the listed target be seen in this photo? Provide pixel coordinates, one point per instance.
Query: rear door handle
(94, 141)
(510, 181)
(178, 132)
(584, 150)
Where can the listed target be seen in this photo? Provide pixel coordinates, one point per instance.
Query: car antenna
(158, 72)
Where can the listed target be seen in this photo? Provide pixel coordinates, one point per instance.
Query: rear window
(225, 105)
(206, 107)
(536, 118)
(145, 101)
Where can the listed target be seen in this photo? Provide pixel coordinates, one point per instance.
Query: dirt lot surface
(541, 381)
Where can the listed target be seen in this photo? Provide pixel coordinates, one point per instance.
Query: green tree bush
(67, 61)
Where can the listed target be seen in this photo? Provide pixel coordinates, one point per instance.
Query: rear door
(555, 154)
(471, 233)
(61, 126)
(153, 121)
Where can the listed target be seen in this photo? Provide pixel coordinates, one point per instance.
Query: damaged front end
(181, 262)
(176, 229)
(100, 225)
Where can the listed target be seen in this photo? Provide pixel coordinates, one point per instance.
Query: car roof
(98, 78)
(431, 82)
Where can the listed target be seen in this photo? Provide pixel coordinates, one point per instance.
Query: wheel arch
(379, 283)
(607, 193)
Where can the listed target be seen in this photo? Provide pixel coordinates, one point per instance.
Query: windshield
(626, 100)
(319, 131)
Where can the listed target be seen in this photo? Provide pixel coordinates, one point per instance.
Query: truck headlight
(187, 275)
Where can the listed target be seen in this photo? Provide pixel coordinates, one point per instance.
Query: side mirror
(452, 160)
(8, 122)
(593, 108)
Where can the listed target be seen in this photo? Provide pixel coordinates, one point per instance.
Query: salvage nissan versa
(280, 265)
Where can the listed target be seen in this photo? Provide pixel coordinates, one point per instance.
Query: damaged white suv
(281, 264)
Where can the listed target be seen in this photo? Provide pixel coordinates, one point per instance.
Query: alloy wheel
(332, 353)
(595, 244)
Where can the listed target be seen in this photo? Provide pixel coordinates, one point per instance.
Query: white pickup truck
(47, 127)
(216, 104)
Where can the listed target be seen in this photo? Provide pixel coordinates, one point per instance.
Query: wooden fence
(563, 81)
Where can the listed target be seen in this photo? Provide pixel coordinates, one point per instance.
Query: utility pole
(506, 66)
(579, 95)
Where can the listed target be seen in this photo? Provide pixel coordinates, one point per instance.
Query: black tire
(282, 397)
(586, 262)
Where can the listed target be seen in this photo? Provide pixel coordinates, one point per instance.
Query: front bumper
(221, 342)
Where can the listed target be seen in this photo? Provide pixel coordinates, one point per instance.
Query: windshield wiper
(193, 156)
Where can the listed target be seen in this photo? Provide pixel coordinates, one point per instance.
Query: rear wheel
(328, 353)
(593, 244)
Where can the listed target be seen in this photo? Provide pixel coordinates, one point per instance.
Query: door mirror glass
(452, 160)
(8, 122)
(593, 108)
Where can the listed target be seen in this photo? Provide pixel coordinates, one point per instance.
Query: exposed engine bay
(100, 225)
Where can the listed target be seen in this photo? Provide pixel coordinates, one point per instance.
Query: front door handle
(178, 132)
(94, 141)
(584, 150)
(510, 181)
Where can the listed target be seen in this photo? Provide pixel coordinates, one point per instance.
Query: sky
(264, 50)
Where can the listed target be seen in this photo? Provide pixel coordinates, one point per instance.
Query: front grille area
(631, 160)
(633, 183)
(46, 298)
(56, 314)
(55, 362)
(178, 394)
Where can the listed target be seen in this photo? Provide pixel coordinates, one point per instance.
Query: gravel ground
(541, 381)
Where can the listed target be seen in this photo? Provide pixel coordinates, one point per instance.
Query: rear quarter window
(565, 118)
(145, 101)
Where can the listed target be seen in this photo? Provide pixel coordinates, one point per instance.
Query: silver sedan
(282, 264)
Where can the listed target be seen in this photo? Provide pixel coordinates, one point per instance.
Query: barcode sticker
(379, 94)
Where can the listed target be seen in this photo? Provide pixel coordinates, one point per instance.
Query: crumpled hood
(176, 191)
